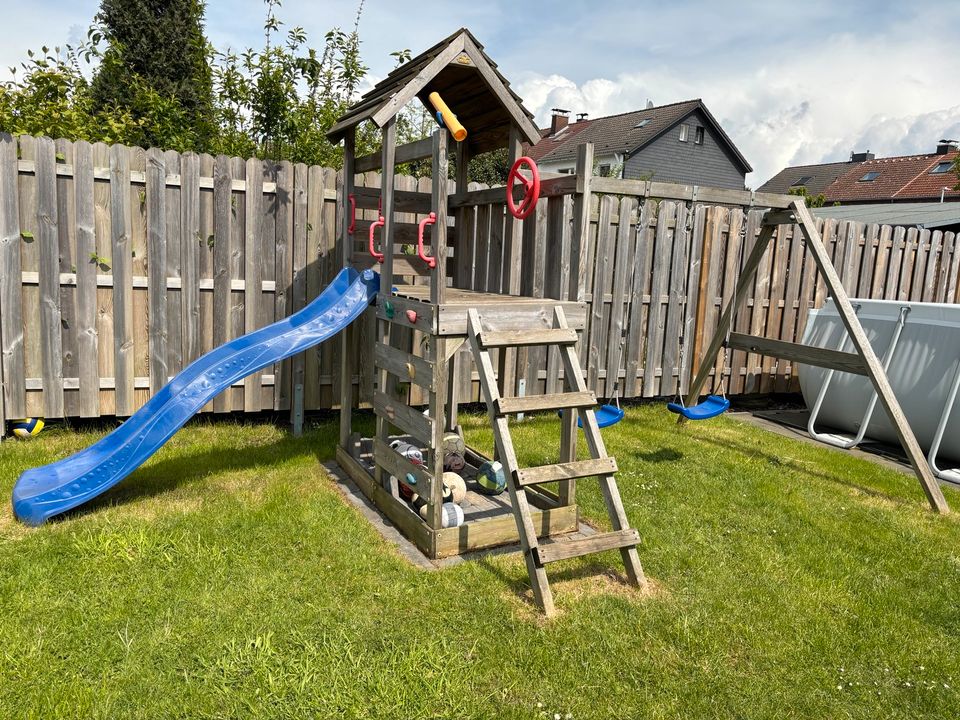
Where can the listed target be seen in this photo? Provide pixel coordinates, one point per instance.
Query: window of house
(684, 132)
(941, 167)
(604, 170)
(870, 176)
(642, 123)
(565, 171)
(802, 181)
(698, 136)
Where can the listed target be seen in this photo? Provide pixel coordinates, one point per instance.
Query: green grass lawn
(229, 578)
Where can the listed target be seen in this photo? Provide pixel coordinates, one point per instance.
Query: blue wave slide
(46, 491)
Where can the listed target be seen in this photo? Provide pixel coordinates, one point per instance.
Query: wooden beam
(795, 352)
(689, 193)
(514, 338)
(557, 401)
(349, 335)
(744, 282)
(566, 471)
(554, 551)
(409, 152)
(928, 482)
(407, 92)
(523, 123)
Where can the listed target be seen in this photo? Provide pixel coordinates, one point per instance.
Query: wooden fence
(119, 266)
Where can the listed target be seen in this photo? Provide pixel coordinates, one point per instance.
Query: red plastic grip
(373, 228)
(428, 220)
(353, 213)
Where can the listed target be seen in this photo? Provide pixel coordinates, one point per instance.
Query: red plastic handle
(373, 228)
(428, 220)
(531, 187)
(353, 213)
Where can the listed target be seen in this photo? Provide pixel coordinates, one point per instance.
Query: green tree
(278, 102)
(49, 95)
(155, 66)
(813, 201)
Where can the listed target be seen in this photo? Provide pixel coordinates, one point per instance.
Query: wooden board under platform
(488, 520)
(507, 312)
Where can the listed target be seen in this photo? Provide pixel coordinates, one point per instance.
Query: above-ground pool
(923, 370)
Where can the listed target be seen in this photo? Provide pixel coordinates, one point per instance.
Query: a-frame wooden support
(600, 465)
(863, 360)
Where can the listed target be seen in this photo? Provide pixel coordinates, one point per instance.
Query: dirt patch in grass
(573, 585)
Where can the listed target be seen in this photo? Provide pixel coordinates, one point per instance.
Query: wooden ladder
(600, 465)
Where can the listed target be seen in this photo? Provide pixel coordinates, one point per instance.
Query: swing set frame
(862, 361)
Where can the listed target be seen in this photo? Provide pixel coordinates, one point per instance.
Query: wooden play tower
(420, 306)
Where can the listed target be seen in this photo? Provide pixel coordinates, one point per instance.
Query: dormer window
(941, 167)
(870, 176)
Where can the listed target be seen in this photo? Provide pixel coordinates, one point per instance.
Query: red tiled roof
(904, 178)
(929, 185)
(549, 143)
(894, 174)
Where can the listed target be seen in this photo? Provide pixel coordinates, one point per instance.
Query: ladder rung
(557, 401)
(566, 471)
(521, 338)
(595, 543)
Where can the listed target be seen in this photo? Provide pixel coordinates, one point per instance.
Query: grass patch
(228, 578)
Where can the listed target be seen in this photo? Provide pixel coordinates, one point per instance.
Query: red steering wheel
(531, 187)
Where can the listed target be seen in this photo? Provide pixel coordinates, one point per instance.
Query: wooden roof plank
(396, 103)
(530, 131)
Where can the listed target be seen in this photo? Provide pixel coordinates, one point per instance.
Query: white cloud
(843, 92)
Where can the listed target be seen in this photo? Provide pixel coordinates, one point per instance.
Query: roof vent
(581, 117)
(861, 156)
(649, 103)
(945, 146)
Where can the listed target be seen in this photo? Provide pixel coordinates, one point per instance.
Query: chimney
(945, 146)
(861, 156)
(559, 120)
(581, 117)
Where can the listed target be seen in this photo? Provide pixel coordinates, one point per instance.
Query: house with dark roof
(866, 178)
(681, 142)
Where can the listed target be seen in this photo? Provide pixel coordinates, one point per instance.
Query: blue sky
(790, 82)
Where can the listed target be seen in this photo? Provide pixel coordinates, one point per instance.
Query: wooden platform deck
(488, 520)
(499, 312)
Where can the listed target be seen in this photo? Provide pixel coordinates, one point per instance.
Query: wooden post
(743, 287)
(346, 246)
(389, 135)
(928, 482)
(438, 401)
(581, 223)
(512, 251)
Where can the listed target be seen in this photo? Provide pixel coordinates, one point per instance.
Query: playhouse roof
(467, 80)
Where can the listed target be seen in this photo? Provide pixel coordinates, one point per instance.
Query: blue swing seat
(607, 415)
(711, 407)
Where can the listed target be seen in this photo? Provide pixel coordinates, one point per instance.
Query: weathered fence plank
(11, 317)
(136, 262)
(252, 288)
(156, 199)
(121, 224)
(222, 251)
